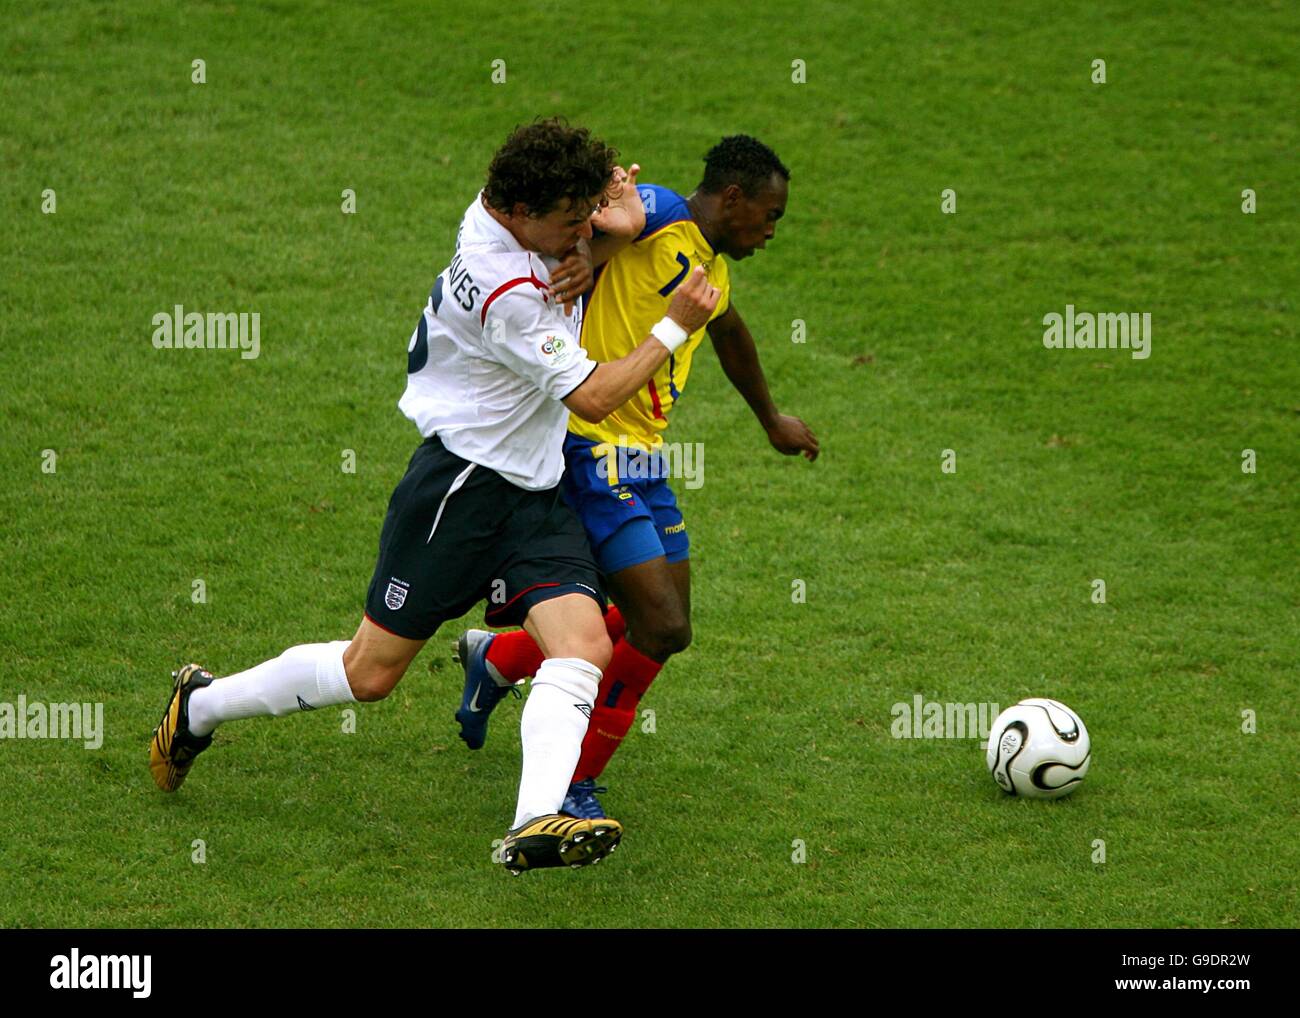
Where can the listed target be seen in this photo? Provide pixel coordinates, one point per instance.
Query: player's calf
(376, 660)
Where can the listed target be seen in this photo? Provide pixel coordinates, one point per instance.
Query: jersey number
(671, 285)
(417, 354)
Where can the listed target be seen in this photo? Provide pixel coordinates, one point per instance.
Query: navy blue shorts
(458, 533)
(625, 504)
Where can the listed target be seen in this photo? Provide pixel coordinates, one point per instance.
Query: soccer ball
(1039, 749)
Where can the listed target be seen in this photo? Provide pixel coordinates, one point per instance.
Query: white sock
(551, 728)
(302, 678)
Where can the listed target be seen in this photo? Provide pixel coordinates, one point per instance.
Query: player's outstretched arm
(613, 383)
(739, 358)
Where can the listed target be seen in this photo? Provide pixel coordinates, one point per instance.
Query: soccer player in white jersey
(493, 370)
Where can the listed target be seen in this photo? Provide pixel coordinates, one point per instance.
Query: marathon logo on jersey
(395, 595)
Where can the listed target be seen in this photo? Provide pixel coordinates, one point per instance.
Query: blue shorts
(632, 521)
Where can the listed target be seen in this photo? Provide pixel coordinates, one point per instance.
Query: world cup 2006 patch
(556, 351)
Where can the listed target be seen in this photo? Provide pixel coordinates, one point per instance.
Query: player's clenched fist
(694, 301)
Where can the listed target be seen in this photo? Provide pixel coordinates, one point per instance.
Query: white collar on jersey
(490, 230)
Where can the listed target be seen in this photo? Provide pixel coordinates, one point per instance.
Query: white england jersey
(493, 355)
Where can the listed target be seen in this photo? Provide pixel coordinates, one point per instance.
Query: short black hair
(546, 161)
(742, 160)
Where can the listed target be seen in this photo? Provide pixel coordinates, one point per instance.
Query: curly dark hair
(742, 160)
(546, 161)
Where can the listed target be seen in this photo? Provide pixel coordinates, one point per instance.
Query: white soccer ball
(1039, 749)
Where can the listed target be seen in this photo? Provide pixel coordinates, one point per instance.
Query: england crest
(395, 596)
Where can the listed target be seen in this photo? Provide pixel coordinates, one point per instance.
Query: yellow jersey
(630, 294)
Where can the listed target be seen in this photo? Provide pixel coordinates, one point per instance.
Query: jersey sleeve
(518, 331)
(663, 207)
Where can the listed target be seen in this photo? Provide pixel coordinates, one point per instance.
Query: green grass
(924, 334)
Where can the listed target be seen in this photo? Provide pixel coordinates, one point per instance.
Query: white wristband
(669, 333)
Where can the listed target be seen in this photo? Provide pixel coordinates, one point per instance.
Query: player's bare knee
(601, 651)
(370, 683)
(595, 648)
(663, 639)
(674, 636)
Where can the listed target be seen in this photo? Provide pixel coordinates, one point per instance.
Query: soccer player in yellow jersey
(615, 474)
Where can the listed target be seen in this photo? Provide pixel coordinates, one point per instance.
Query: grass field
(924, 333)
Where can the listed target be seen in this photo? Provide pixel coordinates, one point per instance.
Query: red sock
(516, 656)
(614, 624)
(621, 687)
